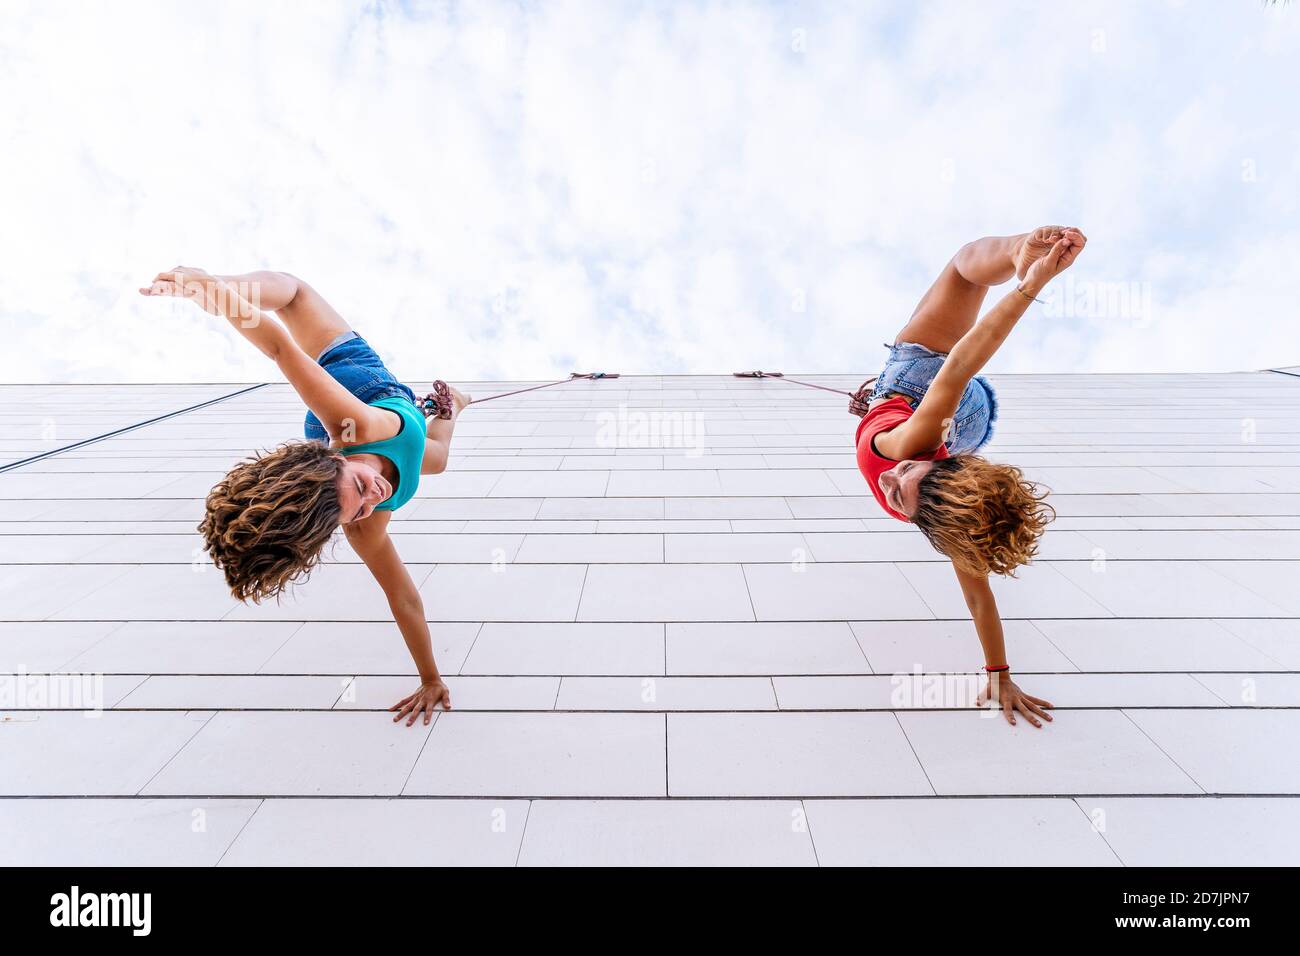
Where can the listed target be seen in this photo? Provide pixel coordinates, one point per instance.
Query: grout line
(934, 791)
(437, 716)
(644, 798)
(866, 658)
(1154, 743)
(744, 576)
(188, 741)
(347, 683)
(289, 637)
(667, 789)
(460, 671)
(261, 803)
(956, 709)
(1100, 833)
(528, 815)
(577, 608)
(1209, 689)
(803, 805)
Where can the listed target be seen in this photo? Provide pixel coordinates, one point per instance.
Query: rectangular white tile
(1166, 589)
(783, 482)
(502, 648)
(334, 592)
(72, 753)
(1191, 831)
(665, 592)
(576, 755)
(1271, 585)
(1038, 590)
(549, 484)
(796, 755)
(508, 592)
(346, 648)
(37, 646)
(230, 692)
(119, 833)
(832, 592)
(1253, 690)
(1152, 645)
(156, 592)
(1228, 751)
(591, 549)
(764, 648)
(1277, 638)
(735, 548)
(183, 647)
(32, 593)
(900, 647)
(663, 484)
(1097, 751)
(309, 753)
(381, 832)
(666, 833)
(978, 833)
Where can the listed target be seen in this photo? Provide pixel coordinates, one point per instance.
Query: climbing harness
(858, 401)
(438, 403)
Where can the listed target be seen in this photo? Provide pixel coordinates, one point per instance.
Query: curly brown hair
(985, 517)
(270, 518)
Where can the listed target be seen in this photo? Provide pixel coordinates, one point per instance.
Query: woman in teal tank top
(368, 443)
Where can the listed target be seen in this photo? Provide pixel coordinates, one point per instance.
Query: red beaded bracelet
(1000, 667)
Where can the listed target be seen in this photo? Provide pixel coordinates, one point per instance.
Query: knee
(289, 286)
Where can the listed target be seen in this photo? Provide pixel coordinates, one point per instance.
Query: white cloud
(490, 190)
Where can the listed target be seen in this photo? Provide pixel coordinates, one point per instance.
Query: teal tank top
(405, 450)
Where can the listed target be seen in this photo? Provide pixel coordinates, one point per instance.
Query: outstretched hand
(1002, 690)
(423, 701)
(1059, 258)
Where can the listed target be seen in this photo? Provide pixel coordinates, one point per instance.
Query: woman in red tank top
(930, 411)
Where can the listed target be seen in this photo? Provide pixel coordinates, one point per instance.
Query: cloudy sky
(497, 190)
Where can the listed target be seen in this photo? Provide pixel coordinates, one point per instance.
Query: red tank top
(888, 414)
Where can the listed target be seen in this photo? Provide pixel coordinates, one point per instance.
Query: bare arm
(333, 404)
(983, 607)
(370, 539)
(925, 429)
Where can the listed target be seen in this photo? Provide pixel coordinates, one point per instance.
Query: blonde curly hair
(985, 517)
(270, 518)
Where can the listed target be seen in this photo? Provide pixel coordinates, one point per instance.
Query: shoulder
(884, 415)
(369, 530)
(378, 424)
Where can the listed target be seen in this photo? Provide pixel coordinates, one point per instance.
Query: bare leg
(311, 320)
(438, 432)
(951, 306)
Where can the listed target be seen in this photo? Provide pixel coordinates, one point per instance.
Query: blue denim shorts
(356, 366)
(911, 368)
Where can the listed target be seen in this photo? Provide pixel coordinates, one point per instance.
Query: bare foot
(458, 400)
(1034, 246)
(187, 282)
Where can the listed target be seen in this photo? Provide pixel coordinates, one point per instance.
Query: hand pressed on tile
(1002, 690)
(423, 701)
